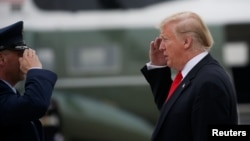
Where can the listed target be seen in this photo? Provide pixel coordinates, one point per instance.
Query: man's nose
(162, 46)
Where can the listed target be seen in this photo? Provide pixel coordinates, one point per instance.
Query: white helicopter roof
(212, 12)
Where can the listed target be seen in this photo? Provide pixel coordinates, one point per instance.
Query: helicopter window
(235, 54)
(96, 59)
(46, 56)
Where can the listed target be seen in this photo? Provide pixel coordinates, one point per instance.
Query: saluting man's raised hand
(29, 60)
(156, 54)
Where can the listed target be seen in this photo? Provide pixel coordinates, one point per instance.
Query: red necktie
(175, 83)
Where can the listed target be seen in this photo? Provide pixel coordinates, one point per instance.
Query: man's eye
(164, 39)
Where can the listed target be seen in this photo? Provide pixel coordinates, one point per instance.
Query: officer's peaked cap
(11, 37)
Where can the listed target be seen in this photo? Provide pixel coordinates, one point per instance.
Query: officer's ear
(2, 57)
